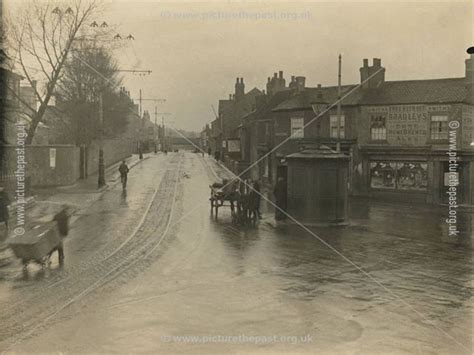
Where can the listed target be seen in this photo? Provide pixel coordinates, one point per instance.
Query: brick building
(396, 133)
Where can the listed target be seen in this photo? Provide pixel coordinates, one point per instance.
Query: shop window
(439, 127)
(333, 126)
(412, 176)
(382, 175)
(297, 128)
(398, 175)
(378, 129)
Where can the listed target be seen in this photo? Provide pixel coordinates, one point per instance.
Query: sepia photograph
(237, 177)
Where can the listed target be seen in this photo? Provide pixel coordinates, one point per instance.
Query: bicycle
(123, 178)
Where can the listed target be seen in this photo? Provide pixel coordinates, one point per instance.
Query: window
(267, 129)
(399, 175)
(297, 128)
(333, 126)
(439, 127)
(378, 130)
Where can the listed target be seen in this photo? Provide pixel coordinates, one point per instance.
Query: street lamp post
(338, 143)
(101, 179)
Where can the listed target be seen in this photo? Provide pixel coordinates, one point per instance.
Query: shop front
(422, 177)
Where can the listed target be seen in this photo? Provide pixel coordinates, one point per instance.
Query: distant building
(225, 129)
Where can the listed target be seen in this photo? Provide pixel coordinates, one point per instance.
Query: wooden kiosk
(317, 186)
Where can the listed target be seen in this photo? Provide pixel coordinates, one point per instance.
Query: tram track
(97, 257)
(137, 247)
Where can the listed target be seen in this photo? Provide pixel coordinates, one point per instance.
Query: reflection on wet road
(210, 286)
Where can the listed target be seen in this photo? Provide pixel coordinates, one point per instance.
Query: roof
(451, 90)
(5, 67)
(302, 101)
(272, 102)
(417, 92)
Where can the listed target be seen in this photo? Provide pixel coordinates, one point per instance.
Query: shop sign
(233, 145)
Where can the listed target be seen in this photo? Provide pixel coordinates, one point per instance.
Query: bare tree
(41, 38)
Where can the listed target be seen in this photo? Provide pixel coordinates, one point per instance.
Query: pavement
(46, 202)
(79, 196)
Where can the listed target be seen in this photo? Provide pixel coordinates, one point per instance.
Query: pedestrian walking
(256, 187)
(280, 199)
(4, 202)
(123, 169)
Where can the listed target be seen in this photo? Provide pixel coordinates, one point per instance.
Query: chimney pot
(377, 62)
(241, 80)
(319, 86)
(280, 74)
(275, 75)
(237, 80)
(366, 62)
(292, 78)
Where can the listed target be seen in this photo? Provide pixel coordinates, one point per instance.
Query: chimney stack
(300, 83)
(469, 76)
(239, 89)
(372, 77)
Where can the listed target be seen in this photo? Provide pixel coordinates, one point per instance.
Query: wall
(114, 151)
(66, 171)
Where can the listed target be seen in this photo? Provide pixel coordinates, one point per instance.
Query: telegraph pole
(338, 143)
(140, 149)
(155, 129)
(162, 127)
(101, 181)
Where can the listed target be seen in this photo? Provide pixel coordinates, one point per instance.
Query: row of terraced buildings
(405, 139)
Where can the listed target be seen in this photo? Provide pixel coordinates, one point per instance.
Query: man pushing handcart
(39, 243)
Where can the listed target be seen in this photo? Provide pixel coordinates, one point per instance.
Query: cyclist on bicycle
(123, 169)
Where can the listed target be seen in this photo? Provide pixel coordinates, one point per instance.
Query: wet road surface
(151, 271)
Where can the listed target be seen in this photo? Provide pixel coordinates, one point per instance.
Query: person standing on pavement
(4, 202)
(123, 169)
(254, 201)
(280, 199)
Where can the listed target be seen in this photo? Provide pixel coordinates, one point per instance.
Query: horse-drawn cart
(222, 194)
(237, 195)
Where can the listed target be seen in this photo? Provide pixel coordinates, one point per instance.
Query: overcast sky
(196, 56)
